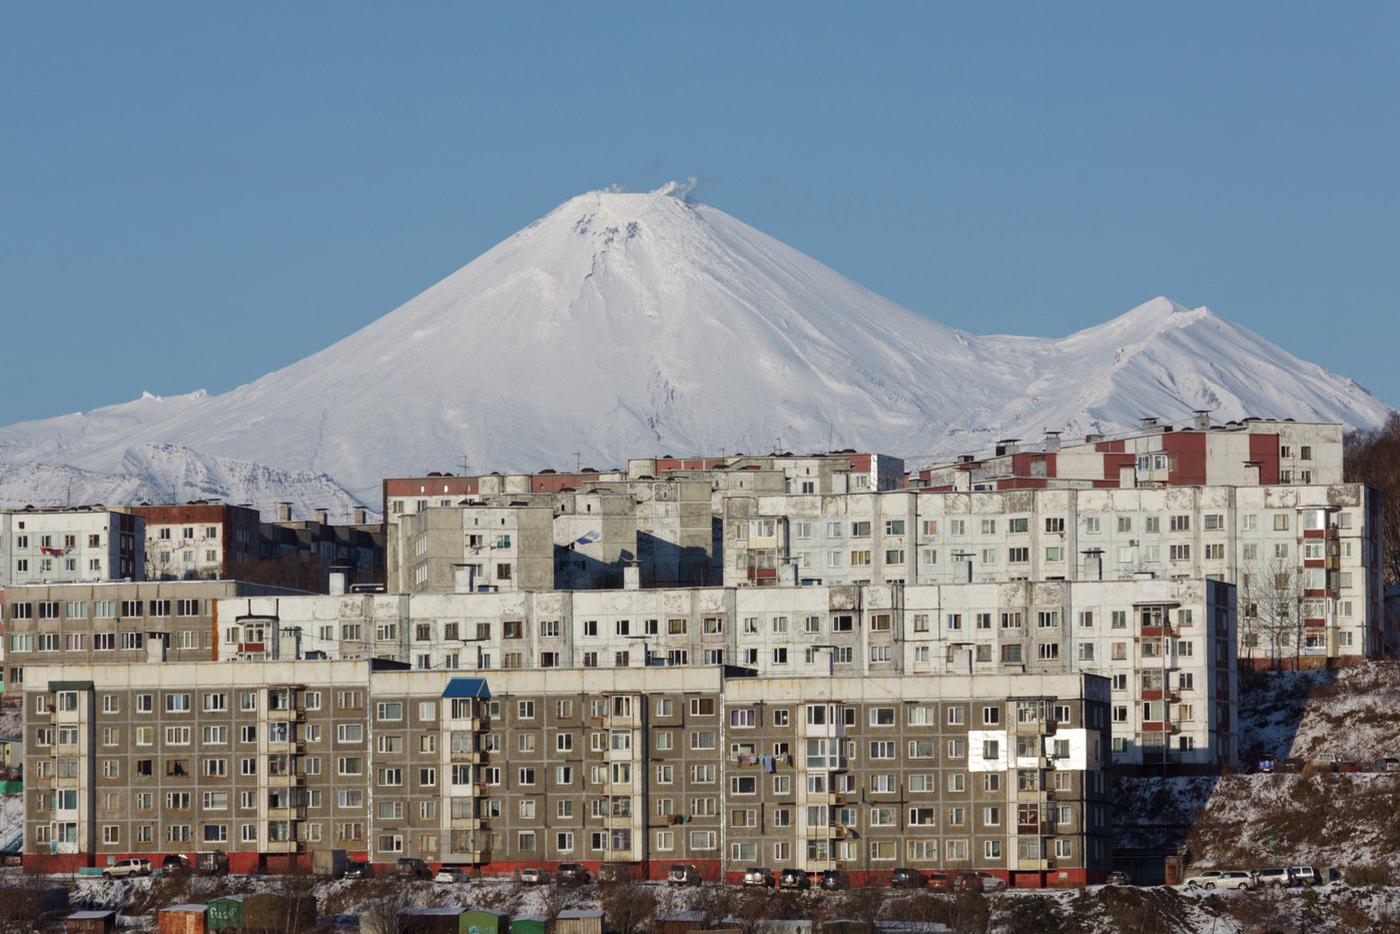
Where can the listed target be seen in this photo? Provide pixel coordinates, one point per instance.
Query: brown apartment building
(115, 622)
(276, 762)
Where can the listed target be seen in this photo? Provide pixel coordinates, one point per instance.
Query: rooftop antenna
(578, 462)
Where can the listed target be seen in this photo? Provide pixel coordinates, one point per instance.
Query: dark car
(834, 880)
(682, 874)
(940, 881)
(904, 878)
(1117, 877)
(794, 879)
(615, 872)
(572, 874)
(356, 869)
(412, 868)
(966, 882)
(175, 863)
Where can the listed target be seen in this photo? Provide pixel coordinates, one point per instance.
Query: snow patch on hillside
(169, 473)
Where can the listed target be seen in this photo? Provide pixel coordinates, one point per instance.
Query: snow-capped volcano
(632, 324)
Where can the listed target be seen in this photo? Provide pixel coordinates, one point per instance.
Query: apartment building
(673, 504)
(305, 550)
(482, 546)
(1252, 452)
(1168, 646)
(273, 761)
(1307, 559)
(58, 546)
(115, 622)
(199, 540)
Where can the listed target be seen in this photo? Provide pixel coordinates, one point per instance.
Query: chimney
(323, 516)
(1201, 420)
(1007, 446)
(1093, 438)
(1149, 425)
(631, 577)
(1052, 440)
(337, 582)
(361, 515)
(463, 578)
(284, 512)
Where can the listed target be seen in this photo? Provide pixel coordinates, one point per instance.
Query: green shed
(477, 920)
(529, 924)
(226, 913)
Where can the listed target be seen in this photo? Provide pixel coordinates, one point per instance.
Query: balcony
(472, 756)
(285, 714)
(286, 812)
(283, 846)
(1160, 726)
(465, 823)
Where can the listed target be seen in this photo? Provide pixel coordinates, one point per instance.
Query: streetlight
(965, 556)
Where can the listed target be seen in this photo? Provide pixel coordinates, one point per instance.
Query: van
(1274, 878)
(1305, 875)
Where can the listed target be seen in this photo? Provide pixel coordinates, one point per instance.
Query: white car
(1204, 880)
(1235, 879)
(126, 868)
(450, 876)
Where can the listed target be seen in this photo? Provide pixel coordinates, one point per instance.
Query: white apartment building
(1251, 452)
(1307, 559)
(1166, 645)
(66, 546)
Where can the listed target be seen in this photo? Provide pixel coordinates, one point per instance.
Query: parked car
(450, 876)
(1117, 877)
(1266, 764)
(905, 878)
(212, 863)
(531, 875)
(614, 872)
(940, 881)
(1235, 879)
(175, 863)
(572, 874)
(834, 880)
(1276, 877)
(126, 868)
(1203, 880)
(356, 869)
(990, 883)
(682, 874)
(1388, 764)
(1305, 875)
(794, 879)
(759, 877)
(412, 868)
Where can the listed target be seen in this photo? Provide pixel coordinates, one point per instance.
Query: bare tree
(1271, 609)
(1373, 458)
(629, 906)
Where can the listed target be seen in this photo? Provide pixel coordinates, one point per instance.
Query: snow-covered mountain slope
(169, 473)
(632, 324)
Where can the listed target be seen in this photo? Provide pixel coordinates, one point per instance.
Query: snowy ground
(1353, 712)
(1099, 910)
(1319, 817)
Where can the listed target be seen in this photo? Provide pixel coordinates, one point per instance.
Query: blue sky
(194, 194)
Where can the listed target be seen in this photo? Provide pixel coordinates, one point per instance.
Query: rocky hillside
(1317, 816)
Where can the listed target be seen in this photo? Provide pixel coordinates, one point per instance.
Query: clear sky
(192, 195)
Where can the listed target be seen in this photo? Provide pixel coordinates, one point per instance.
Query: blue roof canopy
(468, 687)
